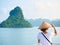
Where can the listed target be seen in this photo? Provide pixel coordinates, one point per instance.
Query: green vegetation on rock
(15, 20)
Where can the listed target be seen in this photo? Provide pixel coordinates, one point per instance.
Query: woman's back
(43, 40)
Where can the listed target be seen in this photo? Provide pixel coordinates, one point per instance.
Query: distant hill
(56, 22)
(15, 20)
(37, 22)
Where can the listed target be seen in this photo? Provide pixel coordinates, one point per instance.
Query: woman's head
(44, 26)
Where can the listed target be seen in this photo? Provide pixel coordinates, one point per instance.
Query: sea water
(22, 36)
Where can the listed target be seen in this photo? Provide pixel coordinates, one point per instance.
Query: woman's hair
(44, 29)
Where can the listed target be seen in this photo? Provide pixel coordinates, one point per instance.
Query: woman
(45, 37)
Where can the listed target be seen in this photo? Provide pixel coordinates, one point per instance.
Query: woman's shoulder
(50, 33)
(39, 33)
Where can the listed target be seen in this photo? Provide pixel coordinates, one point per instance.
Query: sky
(32, 9)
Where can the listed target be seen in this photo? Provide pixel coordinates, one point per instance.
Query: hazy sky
(49, 9)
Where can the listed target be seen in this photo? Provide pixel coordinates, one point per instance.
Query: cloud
(4, 14)
(47, 9)
(46, 4)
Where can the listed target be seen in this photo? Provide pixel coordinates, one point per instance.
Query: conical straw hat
(45, 25)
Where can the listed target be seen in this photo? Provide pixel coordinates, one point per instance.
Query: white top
(43, 40)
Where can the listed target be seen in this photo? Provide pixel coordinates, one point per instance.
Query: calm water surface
(22, 36)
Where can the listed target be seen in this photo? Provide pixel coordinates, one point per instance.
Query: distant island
(37, 22)
(15, 19)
